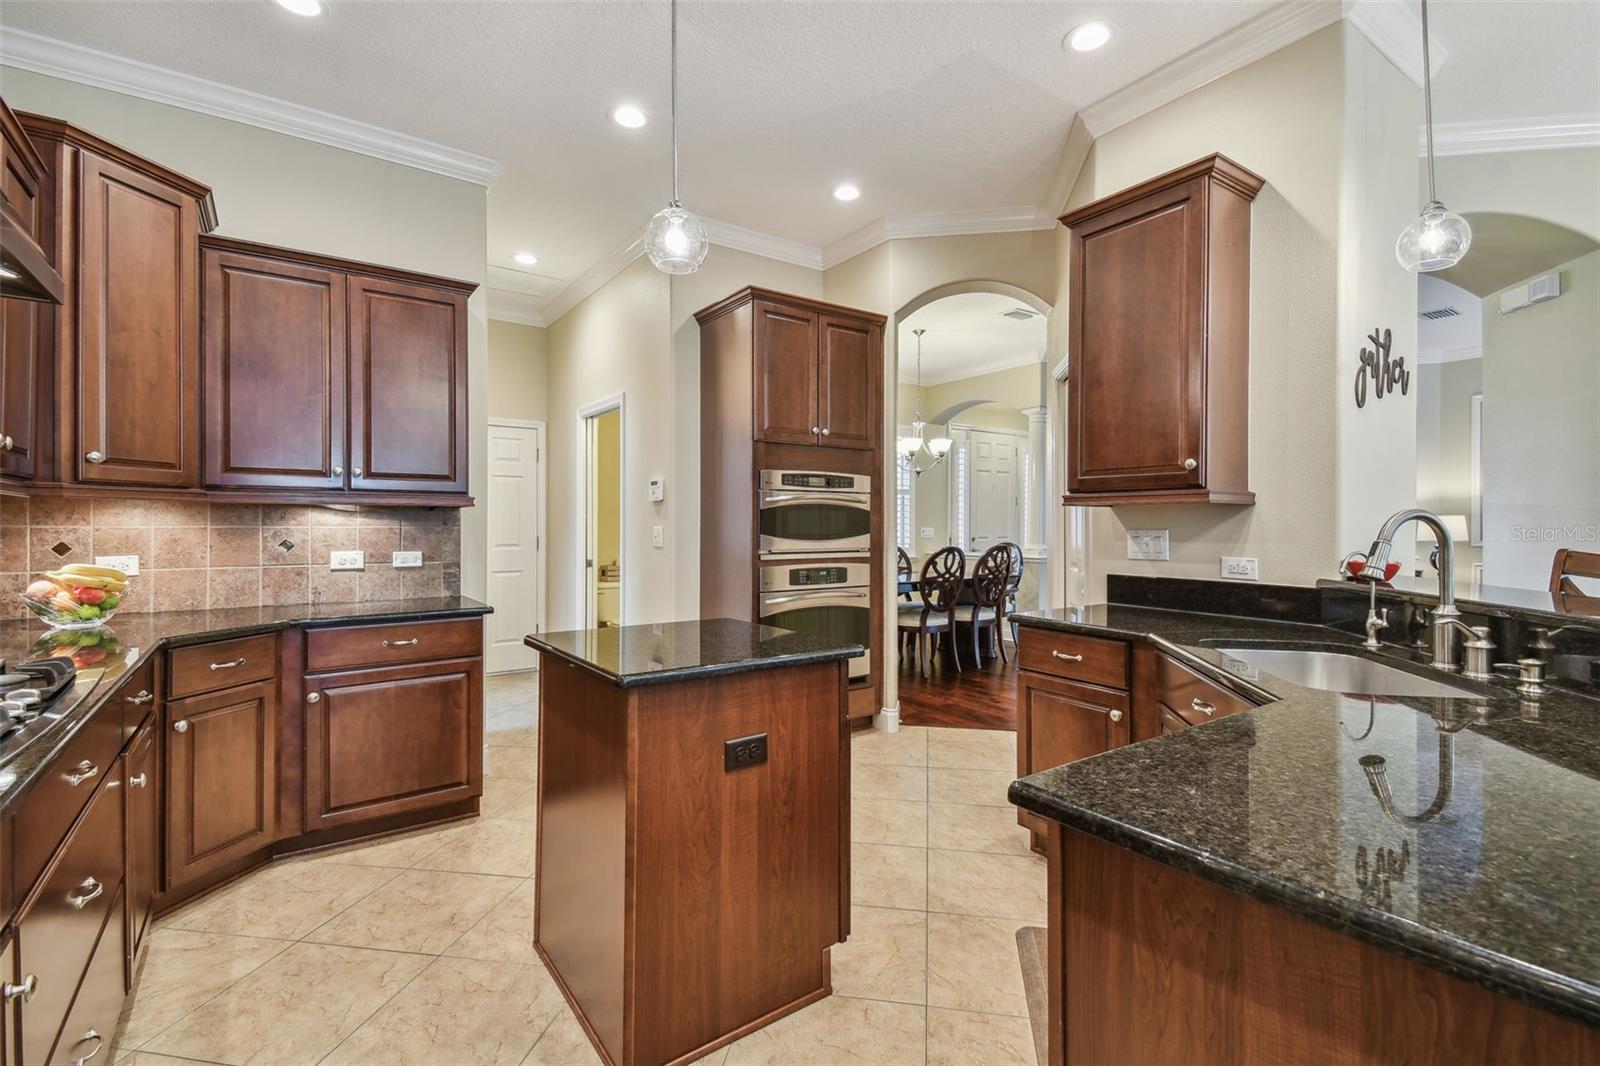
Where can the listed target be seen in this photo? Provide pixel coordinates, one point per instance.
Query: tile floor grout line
(155, 1035)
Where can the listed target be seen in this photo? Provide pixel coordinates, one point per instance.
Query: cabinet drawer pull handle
(180, 726)
(141, 697)
(1207, 709)
(313, 697)
(99, 1043)
(80, 901)
(1064, 657)
(138, 780)
(229, 665)
(400, 643)
(1190, 464)
(82, 772)
(23, 991)
(95, 457)
(1116, 715)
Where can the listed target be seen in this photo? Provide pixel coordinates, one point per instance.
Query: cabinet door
(785, 375)
(138, 419)
(91, 1025)
(275, 372)
(392, 740)
(144, 836)
(1067, 722)
(849, 354)
(408, 387)
(19, 332)
(221, 778)
(1136, 389)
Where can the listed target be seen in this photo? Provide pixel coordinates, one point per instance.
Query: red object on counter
(1354, 566)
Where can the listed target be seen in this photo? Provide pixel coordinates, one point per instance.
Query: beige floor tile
(971, 827)
(882, 781)
(882, 875)
(886, 956)
(564, 1043)
(286, 900)
(888, 821)
(522, 737)
(505, 934)
(909, 747)
(837, 1031)
(182, 970)
(488, 846)
(994, 886)
(458, 1011)
(146, 1058)
(961, 1038)
(973, 749)
(511, 764)
(988, 787)
(973, 964)
(396, 852)
(326, 991)
(505, 797)
(420, 910)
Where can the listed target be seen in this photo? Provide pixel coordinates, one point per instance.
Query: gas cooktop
(33, 696)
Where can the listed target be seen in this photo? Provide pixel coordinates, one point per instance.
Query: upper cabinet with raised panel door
(1159, 340)
(30, 278)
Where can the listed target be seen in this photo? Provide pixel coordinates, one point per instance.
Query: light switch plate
(128, 564)
(1150, 544)
(405, 560)
(1241, 568)
(347, 560)
(926, 532)
(658, 536)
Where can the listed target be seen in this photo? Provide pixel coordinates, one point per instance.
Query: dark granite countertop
(104, 655)
(1484, 863)
(679, 651)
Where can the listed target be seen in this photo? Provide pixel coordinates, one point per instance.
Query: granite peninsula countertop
(1484, 862)
(129, 640)
(679, 651)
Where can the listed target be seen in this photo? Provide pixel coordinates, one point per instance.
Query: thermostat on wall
(658, 489)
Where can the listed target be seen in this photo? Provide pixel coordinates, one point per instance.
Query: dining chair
(991, 580)
(1013, 584)
(939, 587)
(1569, 564)
(903, 570)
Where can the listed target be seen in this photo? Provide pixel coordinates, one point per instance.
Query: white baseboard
(888, 719)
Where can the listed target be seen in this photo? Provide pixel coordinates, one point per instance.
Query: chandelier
(913, 445)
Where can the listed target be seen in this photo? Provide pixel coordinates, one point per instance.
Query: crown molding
(1246, 43)
(588, 283)
(1395, 30)
(525, 282)
(755, 242)
(1435, 356)
(936, 224)
(1511, 135)
(513, 307)
(102, 70)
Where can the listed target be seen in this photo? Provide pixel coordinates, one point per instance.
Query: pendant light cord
(1427, 102)
(674, 68)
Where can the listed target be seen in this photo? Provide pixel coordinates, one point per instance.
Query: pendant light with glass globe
(1438, 238)
(913, 445)
(675, 240)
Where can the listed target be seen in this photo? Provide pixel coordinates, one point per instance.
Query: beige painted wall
(1556, 185)
(613, 343)
(283, 190)
(519, 371)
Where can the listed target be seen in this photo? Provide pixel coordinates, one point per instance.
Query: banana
(90, 570)
(88, 581)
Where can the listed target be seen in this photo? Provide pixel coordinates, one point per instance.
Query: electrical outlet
(658, 536)
(405, 560)
(128, 564)
(347, 560)
(926, 532)
(743, 752)
(1153, 544)
(1241, 568)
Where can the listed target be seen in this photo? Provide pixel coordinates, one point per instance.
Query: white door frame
(541, 531)
(584, 599)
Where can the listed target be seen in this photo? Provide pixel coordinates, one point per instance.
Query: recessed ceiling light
(629, 116)
(1088, 37)
(846, 192)
(302, 7)
(526, 258)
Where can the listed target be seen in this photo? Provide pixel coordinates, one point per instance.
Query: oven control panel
(819, 481)
(806, 576)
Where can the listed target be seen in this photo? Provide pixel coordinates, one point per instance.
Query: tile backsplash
(196, 554)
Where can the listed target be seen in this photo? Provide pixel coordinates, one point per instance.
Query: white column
(1033, 536)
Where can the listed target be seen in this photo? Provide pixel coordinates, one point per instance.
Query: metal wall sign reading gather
(1384, 372)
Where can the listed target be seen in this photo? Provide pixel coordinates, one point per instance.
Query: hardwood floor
(976, 698)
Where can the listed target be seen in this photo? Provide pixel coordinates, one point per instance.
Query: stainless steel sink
(1334, 671)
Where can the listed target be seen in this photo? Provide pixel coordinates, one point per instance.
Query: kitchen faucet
(1446, 619)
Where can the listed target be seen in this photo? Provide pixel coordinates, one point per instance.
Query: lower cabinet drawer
(92, 1023)
(863, 702)
(57, 932)
(1195, 699)
(1071, 655)
(404, 642)
(68, 782)
(223, 664)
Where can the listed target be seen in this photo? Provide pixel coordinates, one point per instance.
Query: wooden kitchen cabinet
(849, 355)
(786, 374)
(91, 1025)
(817, 375)
(22, 211)
(141, 780)
(1159, 340)
(221, 779)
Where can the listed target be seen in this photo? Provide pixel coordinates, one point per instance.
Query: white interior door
(994, 497)
(516, 543)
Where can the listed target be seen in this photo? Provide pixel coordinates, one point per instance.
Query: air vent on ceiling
(1021, 314)
(1438, 313)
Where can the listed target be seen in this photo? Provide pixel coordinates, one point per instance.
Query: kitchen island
(693, 849)
(1325, 877)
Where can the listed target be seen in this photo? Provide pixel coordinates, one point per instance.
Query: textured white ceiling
(967, 335)
(1516, 59)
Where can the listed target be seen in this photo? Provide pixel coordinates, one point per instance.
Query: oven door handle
(773, 601)
(860, 501)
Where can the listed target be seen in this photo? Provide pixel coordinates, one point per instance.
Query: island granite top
(680, 651)
(104, 655)
(1482, 861)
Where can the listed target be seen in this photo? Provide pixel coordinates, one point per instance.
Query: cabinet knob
(6, 442)
(180, 726)
(1190, 464)
(138, 780)
(816, 429)
(23, 991)
(826, 431)
(313, 697)
(95, 457)
(355, 471)
(338, 471)
(1116, 715)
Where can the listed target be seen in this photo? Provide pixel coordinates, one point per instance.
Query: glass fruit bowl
(77, 596)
